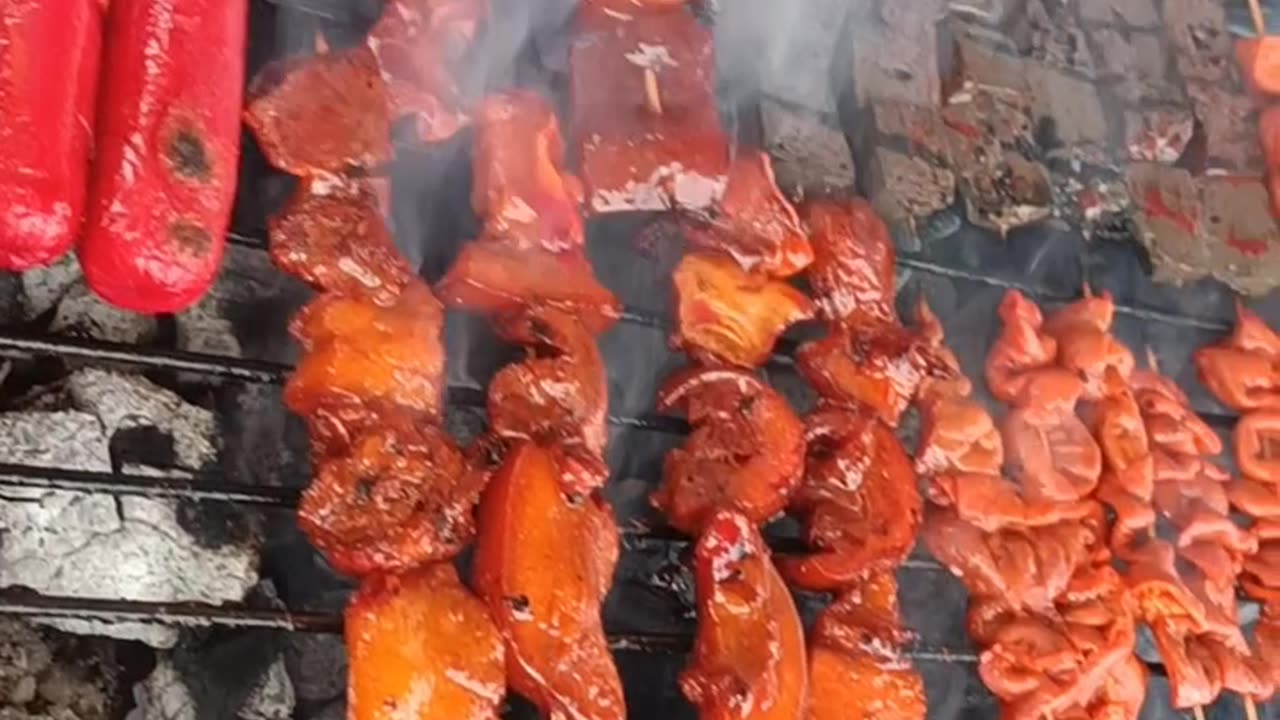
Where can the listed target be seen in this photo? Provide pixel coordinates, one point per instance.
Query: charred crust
(191, 237)
(188, 155)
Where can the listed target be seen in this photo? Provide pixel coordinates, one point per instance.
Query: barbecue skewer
(1259, 21)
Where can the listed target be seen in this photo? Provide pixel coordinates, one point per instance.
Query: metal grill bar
(189, 614)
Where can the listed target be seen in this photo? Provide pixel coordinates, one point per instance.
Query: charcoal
(96, 545)
(1136, 64)
(317, 666)
(272, 698)
(1158, 134)
(905, 188)
(896, 65)
(994, 12)
(810, 156)
(43, 287)
(918, 127)
(907, 16)
(1203, 48)
(246, 280)
(1135, 13)
(1005, 190)
(163, 696)
(82, 314)
(1053, 37)
(978, 61)
(1069, 103)
(1228, 124)
(1241, 236)
(42, 680)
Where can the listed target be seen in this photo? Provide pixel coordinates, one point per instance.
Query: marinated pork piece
(521, 190)
(749, 655)
(419, 44)
(332, 235)
(300, 111)
(544, 561)
(422, 646)
(746, 451)
(648, 132)
(726, 315)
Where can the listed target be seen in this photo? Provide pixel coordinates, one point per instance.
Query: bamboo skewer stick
(1259, 22)
(1198, 712)
(652, 98)
(1250, 710)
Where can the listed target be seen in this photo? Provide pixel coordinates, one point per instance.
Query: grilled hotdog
(166, 139)
(46, 132)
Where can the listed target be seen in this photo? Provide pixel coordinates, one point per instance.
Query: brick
(810, 156)
(1158, 135)
(976, 63)
(919, 127)
(993, 12)
(1242, 238)
(1168, 208)
(905, 188)
(906, 17)
(1228, 124)
(988, 116)
(1052, 37)
(1139, 13)
(1002, 189)
(1071, 104)
(889, 65)
(1202, 46)
(1138, 63)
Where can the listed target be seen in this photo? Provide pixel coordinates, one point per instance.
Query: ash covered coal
(59, 293)
(45, 676)
(98, 545)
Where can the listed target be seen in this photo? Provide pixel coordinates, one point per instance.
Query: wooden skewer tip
(652, 98)
(1259, 22)
(1198, 712)
(1250, 709)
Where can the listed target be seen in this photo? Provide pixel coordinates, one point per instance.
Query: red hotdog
(167, 140)
(49, 51)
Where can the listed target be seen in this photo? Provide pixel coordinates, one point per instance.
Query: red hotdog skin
(49, 54)
(167, 141)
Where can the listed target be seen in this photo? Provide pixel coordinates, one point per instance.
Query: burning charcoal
(1202, 45)
(96, 545)
(1168, 214)
(1052, 36)
(1229, 128)
(809, 156)
(1242, 237)
(1138, 13)
(905, 188)
(1158, 135)
(896, 65)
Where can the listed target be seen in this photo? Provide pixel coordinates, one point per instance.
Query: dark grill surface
(649, 615)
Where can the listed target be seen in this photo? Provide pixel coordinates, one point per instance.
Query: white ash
(78, 311)
(37, 683)
(98, 545)
(246, 281)
(317, 664)
(163, 695)
(272, 698)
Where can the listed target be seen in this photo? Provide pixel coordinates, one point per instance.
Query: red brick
(1202, 46)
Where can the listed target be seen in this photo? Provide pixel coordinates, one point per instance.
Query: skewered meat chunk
(728, 316)
(418, 44)
(647, 128)
(492, 278)
(1023, 345)
(332, 235)
(399, 497)
(359, 351)
(1244, 371)
(855, 669)
(422, 646)
(858, 501)
(754, 223)
(749, 655)
(300, 111)
(544, 562)
(1057, 460)
(1086, 345)
(746, 451)
(557, 396)
(957, 435)
(853, 268)
(521, 190)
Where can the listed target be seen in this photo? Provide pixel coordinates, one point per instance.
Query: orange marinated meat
(858, 501)
(1085, 343)
(725, 315)
(558, 395)
(332, 235)
(1055, 456)
(400, 496)
(642, 101)
(521, 189)
(749, 655)
(492, 278)
(1259, 58)
(746, 451)
(957, 435)
(1023, 345)
(1243, 371)
(856, 671)
(421, 646)
(357, 351)
(1257, 445)
(299, 109)
(753, 223)
(418, 45)
(544, 561)
(853, 262)
(990, 502)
